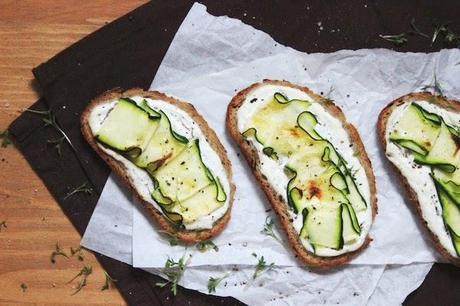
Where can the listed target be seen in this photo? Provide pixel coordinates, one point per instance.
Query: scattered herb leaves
(206, 245)
(213, 282)
(24, 287)
(438, 29)
(5, 136)
(57, 252)
(397, 40)
(261, 266)
(268, 229)
(108, 282)
(443, 30)
(85, 188)
(3, 225)
(173, 271)
(77, 251)
(49, 119)
(84, 273)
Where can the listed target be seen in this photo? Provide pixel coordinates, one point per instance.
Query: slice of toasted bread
(188, 236)
(277, 202)
(382, 129)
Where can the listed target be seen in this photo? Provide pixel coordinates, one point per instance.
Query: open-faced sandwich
(167, 155)
(312, 166)
(421, 137)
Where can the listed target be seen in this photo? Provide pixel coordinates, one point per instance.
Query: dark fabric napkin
(127, 52)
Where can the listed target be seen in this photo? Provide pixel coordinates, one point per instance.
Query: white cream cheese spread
(183, 124)
(329, 128)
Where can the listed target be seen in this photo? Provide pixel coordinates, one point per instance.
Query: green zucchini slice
(153, 114)
(414, 126)
(449, 182)
(445, 152)
(324, 226)
(183, 176)
(351, 228)
(162, 147)
(274, 125)
(127, 128)
(320, 186)
(201, 204)
(307, 122)
(450, 211)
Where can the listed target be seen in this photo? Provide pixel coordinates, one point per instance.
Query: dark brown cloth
(127, 52)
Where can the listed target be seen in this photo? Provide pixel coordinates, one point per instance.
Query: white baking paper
(195, 53)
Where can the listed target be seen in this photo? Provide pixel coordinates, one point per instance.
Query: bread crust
(187, 236)
(277, 202)
(451, 105)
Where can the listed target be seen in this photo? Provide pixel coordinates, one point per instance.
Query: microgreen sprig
(57, 252)
(174, 270)
(77, 251)
(206, 245)
(108, 282)
(398, 40)
(84, 273)
(268, 229)
(443, 29)
(213, 282)
(85, 188)
(49, 119)
(261, 266)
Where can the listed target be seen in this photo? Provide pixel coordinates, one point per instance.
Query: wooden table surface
(32, 31)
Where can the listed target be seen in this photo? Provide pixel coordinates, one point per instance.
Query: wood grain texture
(32, 31)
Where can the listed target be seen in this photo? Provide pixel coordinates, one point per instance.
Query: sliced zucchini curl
(184, 187)
(321, 188)
(435, 144)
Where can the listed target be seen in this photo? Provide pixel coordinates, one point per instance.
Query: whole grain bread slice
(187, 236)
(277, 202)
(451, 105)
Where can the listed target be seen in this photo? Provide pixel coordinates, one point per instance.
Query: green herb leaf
(5, 136)
(3, 225)
(173, 271)
(108, 282)
(49, 119)
(57, 252)
(24, 287)
(438, 29)
(397, 40)
(77, 251)
(206, 245)
(84, 273)
(443, 30)
(213, 282)
(268, 229)
(85, 188)
(261, 266)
